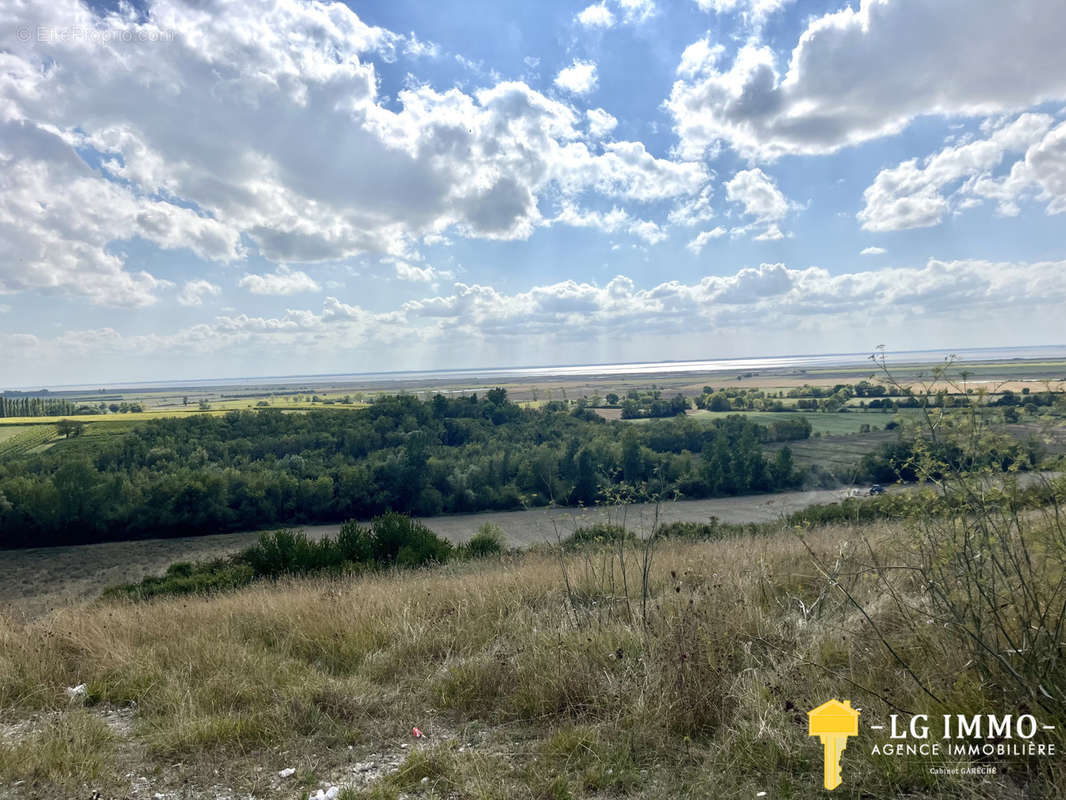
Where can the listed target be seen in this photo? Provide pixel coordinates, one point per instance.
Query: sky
(219, 188)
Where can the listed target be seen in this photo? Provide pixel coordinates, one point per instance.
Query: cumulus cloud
(696, 245)
(426, 274)
(194, 292)
(600, 122)
(866, 72)
(601, 15)
(636, 11)
(800, 300)
(872, 251)
(282, 282)
(58, 220)
(579, 78)
(695, 210)
(753, 11)
(363, 176)
(759, 197)
(596, 16)
(920, 194)
(938, 290)
(613, 221)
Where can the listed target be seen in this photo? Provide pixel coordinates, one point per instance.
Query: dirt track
(35, 581)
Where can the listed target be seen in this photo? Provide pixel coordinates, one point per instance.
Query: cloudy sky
(212, 188)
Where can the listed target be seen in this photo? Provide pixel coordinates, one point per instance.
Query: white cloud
(636, 11)
(613, 221)
(749, 296)
(427, 274)
(699, 58)
(59, 221)
(695, 210)
(872, 251)
(913, 195)
(771, 233)
(858, 74)
(964, 294)
(596, 16)
(282, 282)
(416, 48)
(1041, 173)
(760, 199)
(631, 12)
(600, 122)
(363, 176)
(753, 11)
(194, 292)
(579, 78)
(696, 245)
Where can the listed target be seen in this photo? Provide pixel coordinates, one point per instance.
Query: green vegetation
(15, 440)
(254, 469)
(622, 664)
(13, 404)
(389, 540)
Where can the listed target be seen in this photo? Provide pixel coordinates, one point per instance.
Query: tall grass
(701, 696)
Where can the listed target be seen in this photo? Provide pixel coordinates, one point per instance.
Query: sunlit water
(643, 368)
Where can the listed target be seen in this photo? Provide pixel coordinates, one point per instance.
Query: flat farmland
(838, 454)
(824, 423)
(18, 439)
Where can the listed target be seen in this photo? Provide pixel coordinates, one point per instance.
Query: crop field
(825, 424)
(838, 454)
(18, 439)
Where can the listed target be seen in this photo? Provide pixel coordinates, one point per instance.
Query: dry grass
(523, 689)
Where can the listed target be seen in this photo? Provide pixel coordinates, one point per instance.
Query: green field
(838, 454)
(18, 439)
(825, 424)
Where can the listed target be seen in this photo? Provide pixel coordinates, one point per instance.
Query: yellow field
(217, 409)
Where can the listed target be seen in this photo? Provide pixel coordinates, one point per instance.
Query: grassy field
(838, 454)
(217, 409)
(16, 440)
(825, 424)
(530, 676)
(36, 581)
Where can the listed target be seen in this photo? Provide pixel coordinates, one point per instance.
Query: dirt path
(35, 581)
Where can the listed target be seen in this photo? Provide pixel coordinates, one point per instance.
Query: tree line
(35, 407)
(253, 469)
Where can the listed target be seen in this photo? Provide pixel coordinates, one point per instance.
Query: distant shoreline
(600, 370)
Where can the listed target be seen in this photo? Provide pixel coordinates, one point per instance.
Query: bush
(390, 539)
(695, 530)
(287, 551)
(600, 533)
(184, 578)
(488, 541)
(396, 538)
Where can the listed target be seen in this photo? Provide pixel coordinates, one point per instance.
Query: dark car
(877, 489)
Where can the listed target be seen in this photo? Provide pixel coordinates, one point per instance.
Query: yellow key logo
(833, 722)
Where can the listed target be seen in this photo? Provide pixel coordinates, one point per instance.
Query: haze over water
(640, 368)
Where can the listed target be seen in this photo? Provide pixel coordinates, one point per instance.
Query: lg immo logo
(949, 737)
(833, 722)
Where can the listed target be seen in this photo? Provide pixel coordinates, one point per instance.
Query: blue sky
(246, 188)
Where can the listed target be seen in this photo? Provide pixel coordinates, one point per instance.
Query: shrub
(286, 551)
(600, 533)
(488, 541)
(694, 530)
(390, 539)
(393, 534)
